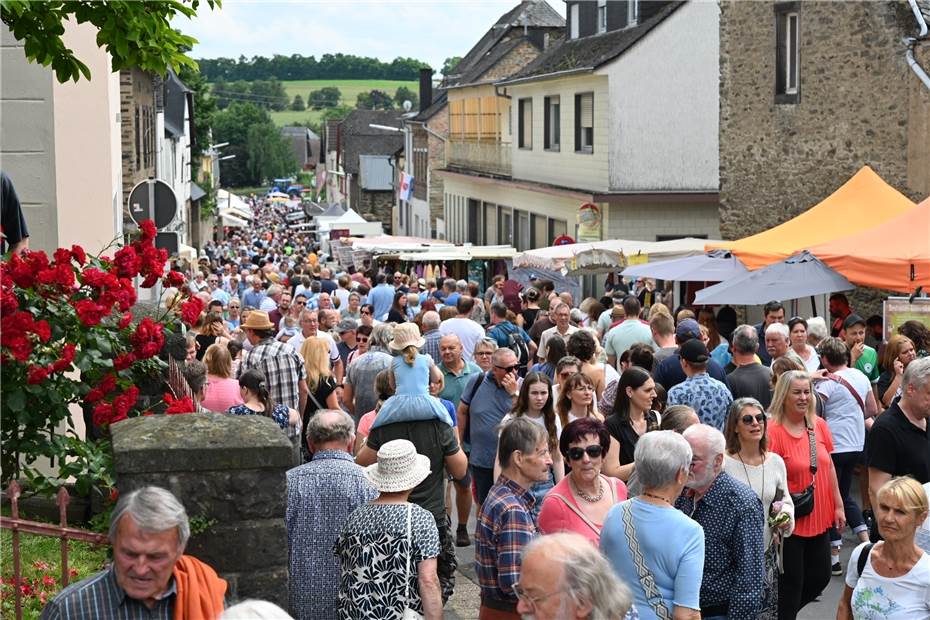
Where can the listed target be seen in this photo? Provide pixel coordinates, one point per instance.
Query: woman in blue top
(253, 387)
(671, 544)
(411, 400)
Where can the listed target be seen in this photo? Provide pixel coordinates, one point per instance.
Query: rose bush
(67, 337)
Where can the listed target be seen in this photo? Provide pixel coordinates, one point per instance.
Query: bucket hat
(258, 319)
(406, 334)
(399, 467)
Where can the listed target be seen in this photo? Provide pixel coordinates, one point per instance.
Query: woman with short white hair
(650, 544)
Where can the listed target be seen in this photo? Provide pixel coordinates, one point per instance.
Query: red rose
(97, 278)
(123, 403)
(90, 313)
(190, 310)
(103, 413)
(180, 405)
(126, 263)
(37, 374)
(125, 320)
(62, 256)
(9, 303)
(124, 361)
(147, 227)
(42, 330)
(67, 356)
(150, 281)
(173, 278)
(78, 254)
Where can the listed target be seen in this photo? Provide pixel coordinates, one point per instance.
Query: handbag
(646, 580)
(409, 614)
(804, 501)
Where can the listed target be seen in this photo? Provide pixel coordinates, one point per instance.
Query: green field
(349, 88)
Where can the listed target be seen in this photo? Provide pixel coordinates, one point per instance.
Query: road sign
(171, 241)
(153, 199)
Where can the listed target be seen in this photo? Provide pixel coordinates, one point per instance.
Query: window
(505, 226)
(602, 15)
(557, 228)
(573, 21)
(584, 122)
(787, 53)
(474, 222)
(490, 223)
(525, 124)
(632, 12)
(521, 230)
(551, 121)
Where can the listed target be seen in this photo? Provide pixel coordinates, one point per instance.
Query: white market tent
(606, 256)
(231, 218)
(227, 201)
(356, 224)
(464, 252)
(390, 244)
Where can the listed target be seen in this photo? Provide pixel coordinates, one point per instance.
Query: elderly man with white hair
(150, 576)
(429, 326)
(733, 520)
(562, 577)
(778, 343)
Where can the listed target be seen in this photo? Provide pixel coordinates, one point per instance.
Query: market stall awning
(894, 255)
(464, 252)
(715, 266)
(392, 244)
(606, 256)
(861, 203)
(231, 218)
(799, 276)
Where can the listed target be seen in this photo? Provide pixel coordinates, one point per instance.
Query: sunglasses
(364, 312)
(363, 339)
(507, 368)
(234, 307)
(576, 454)
(747, 419)
(300, 303)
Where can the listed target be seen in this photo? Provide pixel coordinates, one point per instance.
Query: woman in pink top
(222, 390)
(580, 502)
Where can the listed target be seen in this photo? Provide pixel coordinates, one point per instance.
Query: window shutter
(586, 111)
(577, 116)
(547, 139)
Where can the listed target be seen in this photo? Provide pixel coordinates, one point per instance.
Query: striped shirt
(505, 526)
(99, 596)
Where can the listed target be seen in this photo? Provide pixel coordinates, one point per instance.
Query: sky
(428, 30)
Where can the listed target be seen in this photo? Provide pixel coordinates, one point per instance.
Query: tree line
(298, 67)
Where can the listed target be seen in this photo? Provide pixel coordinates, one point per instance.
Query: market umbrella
(715, 266)
(799, 276)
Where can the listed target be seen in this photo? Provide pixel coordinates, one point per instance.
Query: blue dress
(411, 400)
(279, 414)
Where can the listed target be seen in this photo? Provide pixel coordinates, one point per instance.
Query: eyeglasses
(482, 353)
(525, 596)
(595, 452)
(362, 338)
(747, 419)
(507, 368)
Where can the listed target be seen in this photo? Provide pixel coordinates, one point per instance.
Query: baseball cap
(694, 351)
(687, 329)
(346, 325)
(853, 319)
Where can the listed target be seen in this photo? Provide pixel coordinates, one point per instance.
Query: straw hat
(407, 334)
(399, 467)
(258, 319)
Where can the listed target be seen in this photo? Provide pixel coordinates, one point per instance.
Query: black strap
(474, 390)
(813, 447)
(864, 557)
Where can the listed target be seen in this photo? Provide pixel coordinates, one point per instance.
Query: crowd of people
(621, 460)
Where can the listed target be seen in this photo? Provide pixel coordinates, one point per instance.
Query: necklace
(588, 498)
(746, 472)
(654, 496)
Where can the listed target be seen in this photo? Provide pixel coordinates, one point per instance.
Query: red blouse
(556, 516)
(795, 451)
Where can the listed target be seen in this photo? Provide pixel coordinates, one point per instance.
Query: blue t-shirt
(673, 548)
(485, 411)
(381, 297)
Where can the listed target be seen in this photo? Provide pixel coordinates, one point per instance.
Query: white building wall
(651, 221)
(565, 167)
(664, 104)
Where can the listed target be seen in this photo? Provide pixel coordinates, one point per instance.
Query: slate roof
(531, 13)
(439, 102)
(588, 53)
(358, 138)
(299, 131)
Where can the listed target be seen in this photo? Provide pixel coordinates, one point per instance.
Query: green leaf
(15, 400)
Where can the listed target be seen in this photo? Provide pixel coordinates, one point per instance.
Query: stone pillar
(226, 468)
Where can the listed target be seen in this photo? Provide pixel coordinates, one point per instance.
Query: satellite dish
(408, 105)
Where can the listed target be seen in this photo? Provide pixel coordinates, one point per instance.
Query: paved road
(465, 601)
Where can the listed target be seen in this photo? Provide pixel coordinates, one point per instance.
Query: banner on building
(897, 310)
(405, 191)
(589, 222)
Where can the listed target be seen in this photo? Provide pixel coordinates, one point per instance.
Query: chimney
(426, 88)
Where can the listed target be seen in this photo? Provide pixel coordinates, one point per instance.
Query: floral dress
(372, 550)
(279, 414)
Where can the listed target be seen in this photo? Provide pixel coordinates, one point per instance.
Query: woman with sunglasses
(367, 315)
(806, 555)
(580, 502)
(748, 460)
(362, 334)
(535, 404)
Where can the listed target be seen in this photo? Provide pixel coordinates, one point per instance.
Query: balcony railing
(487, 157)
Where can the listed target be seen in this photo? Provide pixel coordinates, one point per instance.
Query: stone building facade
(138, 123)
(857, 103)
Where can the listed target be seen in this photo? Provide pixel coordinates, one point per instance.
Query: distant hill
(297, 67)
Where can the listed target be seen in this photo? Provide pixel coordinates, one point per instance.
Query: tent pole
(813, 306)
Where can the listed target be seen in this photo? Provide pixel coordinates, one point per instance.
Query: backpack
(516, 344)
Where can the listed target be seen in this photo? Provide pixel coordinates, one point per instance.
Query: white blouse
(764, 479)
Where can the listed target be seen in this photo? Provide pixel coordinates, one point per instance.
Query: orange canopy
(863, 202)
(894, 256)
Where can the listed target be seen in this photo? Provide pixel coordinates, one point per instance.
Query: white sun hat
(399, 467)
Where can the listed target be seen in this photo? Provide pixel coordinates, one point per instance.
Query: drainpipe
(911, 43)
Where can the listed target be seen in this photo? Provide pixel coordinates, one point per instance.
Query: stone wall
(137, 119)
(778, 160)
(230, 469)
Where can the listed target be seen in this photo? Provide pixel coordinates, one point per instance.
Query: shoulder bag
(646, 580)
(804, 501)
(409, 614)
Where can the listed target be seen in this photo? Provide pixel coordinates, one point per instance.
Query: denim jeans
(845, 463)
